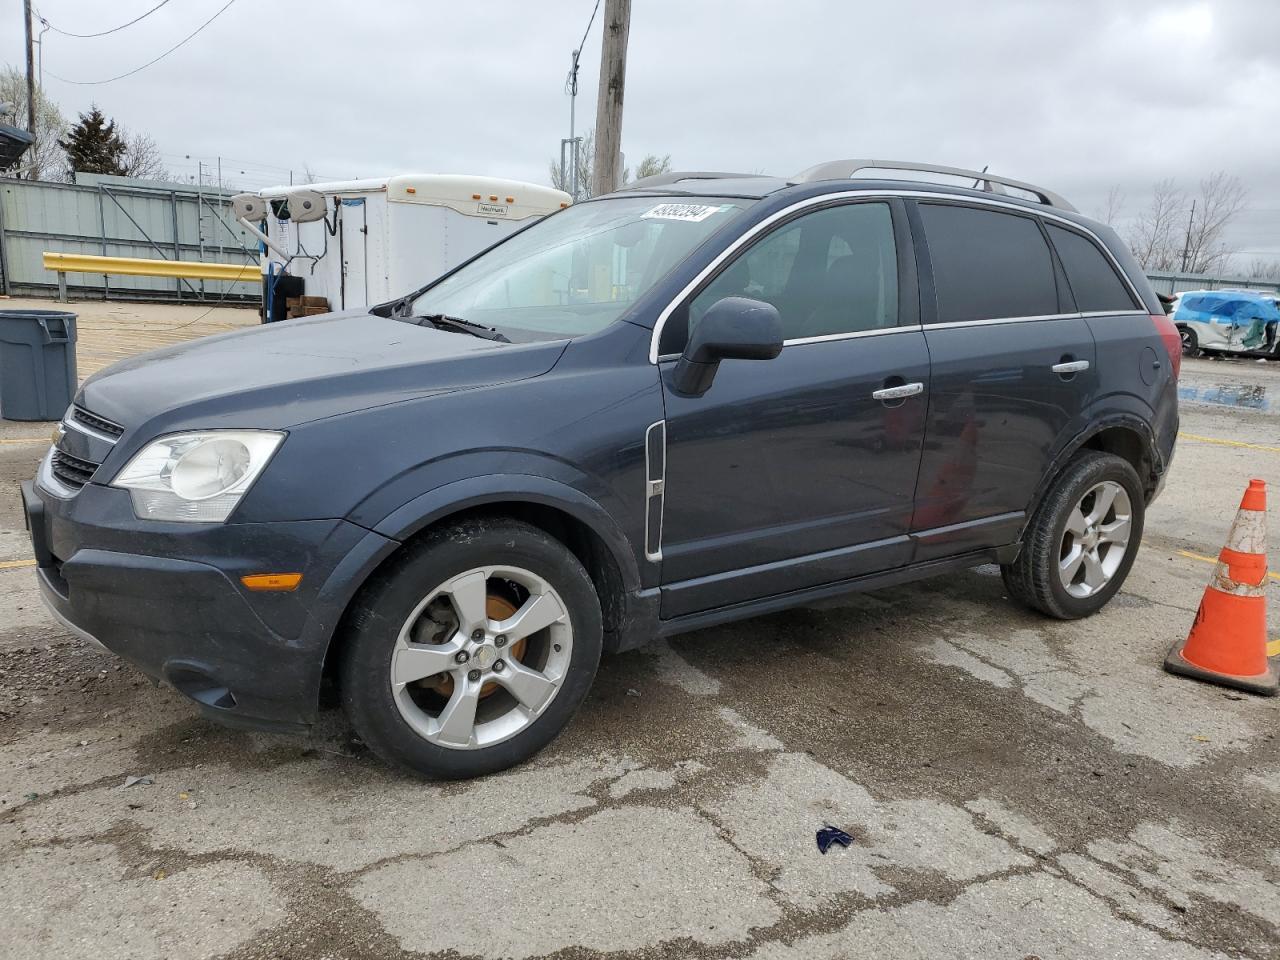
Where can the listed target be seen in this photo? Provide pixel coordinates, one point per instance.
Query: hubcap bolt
(500, 640)
(462, 656)
(473, 675)
(477, 635)
(499, 667)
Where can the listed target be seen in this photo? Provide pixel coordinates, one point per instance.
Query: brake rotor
(497, 607)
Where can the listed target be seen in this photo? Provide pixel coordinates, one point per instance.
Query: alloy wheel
(481, 657)
(1095, 540)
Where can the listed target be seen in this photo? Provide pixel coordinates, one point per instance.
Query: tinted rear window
(988, 265)
(1093, 280)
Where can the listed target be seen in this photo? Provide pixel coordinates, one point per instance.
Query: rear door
(1013, 373)
(1134, 370)
(799, 470)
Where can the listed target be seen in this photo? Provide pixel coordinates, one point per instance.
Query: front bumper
(167, 597)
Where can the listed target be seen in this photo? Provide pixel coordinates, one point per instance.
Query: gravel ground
(1015, 787)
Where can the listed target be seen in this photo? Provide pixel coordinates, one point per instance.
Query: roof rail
(845, 169)
(675, 176)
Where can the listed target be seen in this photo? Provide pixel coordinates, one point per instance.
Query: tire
(420, 723)
(1049, 575)
(1190, 342)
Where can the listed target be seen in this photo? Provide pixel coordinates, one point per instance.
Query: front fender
(424, 510)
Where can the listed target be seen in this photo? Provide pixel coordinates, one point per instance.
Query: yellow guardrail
(64, 263)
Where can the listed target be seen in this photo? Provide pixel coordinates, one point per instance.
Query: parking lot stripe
(1227, 443)
(1202, 558)
(1273, 648)
(13, 564)
(44, 440)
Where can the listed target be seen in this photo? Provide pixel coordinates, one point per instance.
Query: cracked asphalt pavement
(1015, 787)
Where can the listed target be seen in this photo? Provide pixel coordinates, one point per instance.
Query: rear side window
(988, 265)
(1095, 283)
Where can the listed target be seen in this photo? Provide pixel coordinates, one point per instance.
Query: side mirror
(735, 328)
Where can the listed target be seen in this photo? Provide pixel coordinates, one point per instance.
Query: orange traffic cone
(1228, 641)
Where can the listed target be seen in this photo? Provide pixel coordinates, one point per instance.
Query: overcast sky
(1075, 94)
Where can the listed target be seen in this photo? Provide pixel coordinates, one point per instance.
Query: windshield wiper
(444, 322)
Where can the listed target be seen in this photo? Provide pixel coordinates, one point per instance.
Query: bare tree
(1262, 268)
(1221, 198)
(45, 159)
(563, 179)
(1188, 233)
(652, 165)
(1112, 206)
(1154, 236)
(142, 158)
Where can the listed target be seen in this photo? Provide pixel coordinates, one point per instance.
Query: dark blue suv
(704, 398)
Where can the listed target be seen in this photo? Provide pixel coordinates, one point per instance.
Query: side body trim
(755, 608)
(655, 472)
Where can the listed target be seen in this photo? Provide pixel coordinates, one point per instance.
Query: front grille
(95, 422)
(72, 471)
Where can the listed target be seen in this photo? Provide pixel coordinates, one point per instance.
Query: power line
(92, 83)
(594, 11)
(86, 36)
(571, 83)
(267, 172)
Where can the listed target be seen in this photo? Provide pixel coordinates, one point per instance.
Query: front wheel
(472, 651)
(1190, 342)
(1082, 540)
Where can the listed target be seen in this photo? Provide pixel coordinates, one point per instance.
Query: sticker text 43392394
(690, 212)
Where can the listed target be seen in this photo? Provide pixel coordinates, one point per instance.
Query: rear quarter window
(988, 265)
(1094, 282)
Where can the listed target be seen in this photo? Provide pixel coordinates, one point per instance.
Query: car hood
(283, 374)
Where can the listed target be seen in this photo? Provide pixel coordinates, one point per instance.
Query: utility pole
(1186, 247)
(31, 82)
(569, 174)
(606, 169)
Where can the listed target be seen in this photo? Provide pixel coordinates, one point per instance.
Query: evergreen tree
(94, 146)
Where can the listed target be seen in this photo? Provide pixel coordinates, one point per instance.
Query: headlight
(196, 477)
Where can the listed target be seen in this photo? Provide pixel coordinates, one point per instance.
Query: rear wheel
(472, 651)
(1082, 540)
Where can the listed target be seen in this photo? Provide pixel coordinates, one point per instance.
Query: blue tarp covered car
(1232, 321)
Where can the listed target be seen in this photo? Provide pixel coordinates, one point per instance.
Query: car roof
(851, 174)
(753, 187)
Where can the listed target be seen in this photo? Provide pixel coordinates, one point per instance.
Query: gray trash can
(37, 363)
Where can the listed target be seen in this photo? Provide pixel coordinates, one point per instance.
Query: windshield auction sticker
(691, 212)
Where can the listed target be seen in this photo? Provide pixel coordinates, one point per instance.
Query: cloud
(1078, 94)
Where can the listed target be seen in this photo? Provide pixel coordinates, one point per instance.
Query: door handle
(899, 392)
(1071, 366)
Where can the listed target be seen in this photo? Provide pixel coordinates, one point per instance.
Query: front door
(792, 472)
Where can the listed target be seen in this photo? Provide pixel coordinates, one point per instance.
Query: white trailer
(360, 242)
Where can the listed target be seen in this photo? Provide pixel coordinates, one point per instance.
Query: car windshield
(579, 270)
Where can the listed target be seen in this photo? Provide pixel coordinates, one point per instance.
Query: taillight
(1172, 341)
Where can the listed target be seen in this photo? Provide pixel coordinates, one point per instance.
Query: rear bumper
(168, 598)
